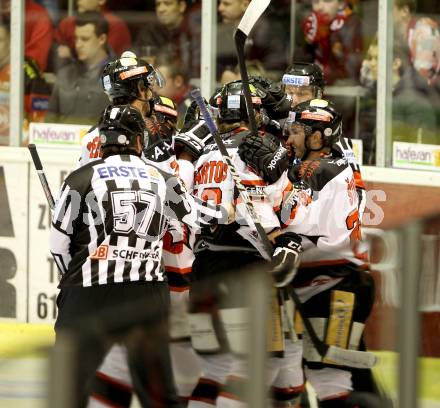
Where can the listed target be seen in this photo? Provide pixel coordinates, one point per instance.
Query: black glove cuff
(287, 238)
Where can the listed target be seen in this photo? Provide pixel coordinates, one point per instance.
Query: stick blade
(351, 358)
(253, 12)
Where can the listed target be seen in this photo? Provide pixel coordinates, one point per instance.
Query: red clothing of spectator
(119, 37)
(335, 45)
(38, 33)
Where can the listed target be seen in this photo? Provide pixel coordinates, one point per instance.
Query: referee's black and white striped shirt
(110, 217)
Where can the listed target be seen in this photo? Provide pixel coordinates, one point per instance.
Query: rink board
(29, 342)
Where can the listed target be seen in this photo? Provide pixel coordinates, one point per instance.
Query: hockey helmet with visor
(303, 81)
(231, 103)
(121, 77)
(313, 115)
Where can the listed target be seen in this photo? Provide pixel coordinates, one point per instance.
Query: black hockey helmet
(305, 74)
(165, 114)
(231, 103)
(317, 114)
(121, 77)
(120, 124)
(165, 109)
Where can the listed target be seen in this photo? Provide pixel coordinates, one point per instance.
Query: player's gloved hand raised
(316, 27)
(274, 99)
(192, 116)
(286, 258)
(193, 140)
(265, 154)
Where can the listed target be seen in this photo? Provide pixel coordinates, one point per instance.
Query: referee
(106, 238)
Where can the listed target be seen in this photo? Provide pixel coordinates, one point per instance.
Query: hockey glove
(286, 258)
(265, 154)
(193, 140)
(192, 116)
(274, 99)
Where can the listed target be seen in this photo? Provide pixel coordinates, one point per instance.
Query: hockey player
(302, 81)
(318, 200)
(165, 113)
(127, 80)
(178, 243)
(222, 251)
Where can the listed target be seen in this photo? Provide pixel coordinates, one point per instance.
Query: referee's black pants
(133, 313)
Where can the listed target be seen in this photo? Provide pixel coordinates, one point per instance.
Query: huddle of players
(311, 205)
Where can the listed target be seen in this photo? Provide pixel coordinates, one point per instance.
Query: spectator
(38, 31)
(177, 86)
(176, 31)
(415, 103)
(266, 42)
(403, 15)
(254, 68)
(36, 89)
(52, 7)
(4, 85)
(119, 38)
(77, 96)
(416, 96)
(420, 37)
(333, 39)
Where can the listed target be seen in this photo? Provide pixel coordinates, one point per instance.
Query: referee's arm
(196, 213)
(63, 225)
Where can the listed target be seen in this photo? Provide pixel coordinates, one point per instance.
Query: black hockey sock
(206, 390)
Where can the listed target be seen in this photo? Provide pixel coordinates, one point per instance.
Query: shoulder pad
(159, 151)
(317, 173)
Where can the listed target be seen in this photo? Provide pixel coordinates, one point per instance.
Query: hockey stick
(253, 12)
(42, 176)
(250, 17)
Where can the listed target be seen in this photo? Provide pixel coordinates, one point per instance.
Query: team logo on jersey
(351, 190)
(256, 191)
(320, 280)
(100, 253)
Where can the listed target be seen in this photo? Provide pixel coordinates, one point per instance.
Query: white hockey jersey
(344, 149)
(90, 147)
(178, 241)
(213, 182)
(321, 205)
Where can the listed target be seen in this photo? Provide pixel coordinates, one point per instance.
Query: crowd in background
(65, 54)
